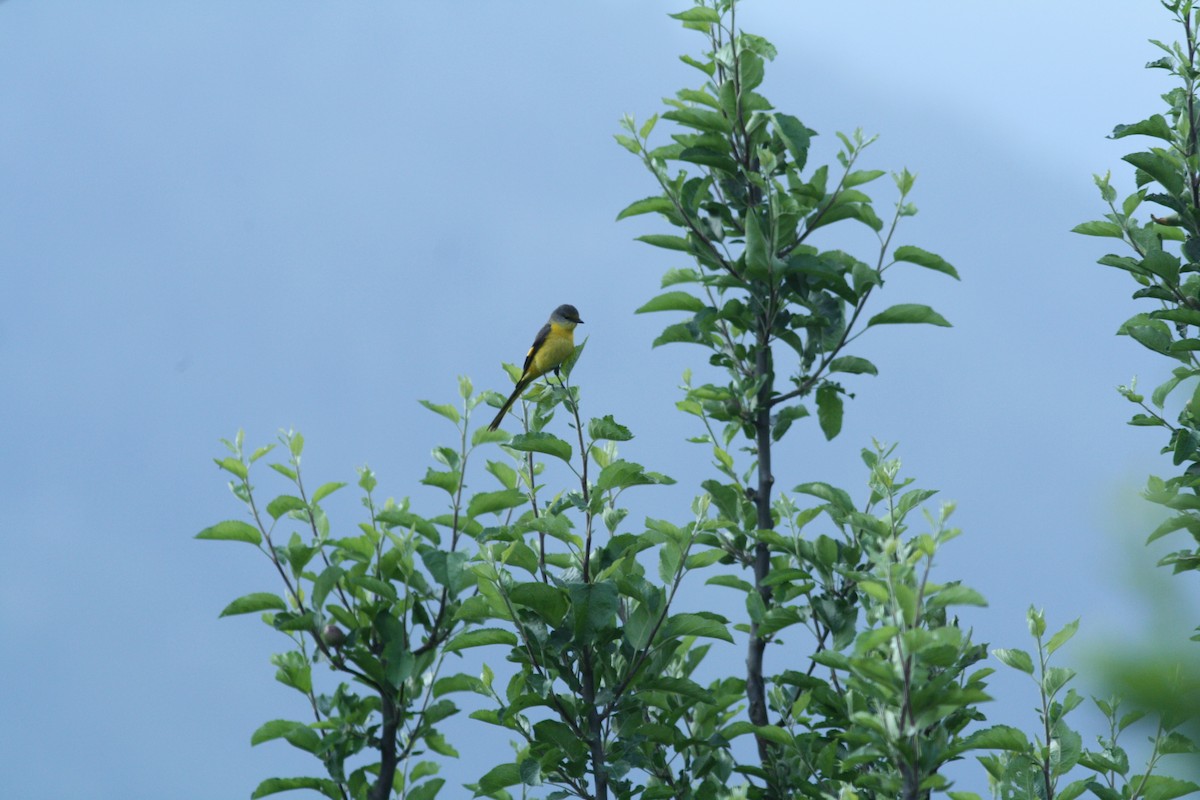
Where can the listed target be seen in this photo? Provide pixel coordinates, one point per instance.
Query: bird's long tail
(512, 398)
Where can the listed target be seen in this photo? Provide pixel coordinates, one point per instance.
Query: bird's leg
(562, 384)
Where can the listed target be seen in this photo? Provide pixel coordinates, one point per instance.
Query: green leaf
(1191, 249)
(875, 590)
(275, 785)
(284, 471)
(1164, 265)
(1056, 678)
(296, 733)
(1160, 394)
(956, 596)
(260, 452)
(447, 481)
(1126, 263)
(548, 601)
(705, 558)
(1104, 792)
(750, 71)
(784, 419)
(700, 119)
(861, 176)
(829, 410)
(373, 585)
(1162, 787)
(658, 203)
(1012, 657)
(1188, 316)
(628, 142)
(232, 531)
(999, 737)
(622, 474)
(853, 365)
(759, 249)
(1160, 169)
(258, 601)
(1154, 336)
(923, 258)
(498, 778)
(869, 640)
(479, 637)
(531, 771)
(495, 502)
(700, 96)
(840, 209)
(1189, 521)
(1070, 747)
(424, 791)
(1176, 744)
(1155, 126)
(673, 301)
(504, 473)
(795, 137)
(1184, 346)
(396, 517)
(705, 624)
(908, 313)
(1099, 228)
(681, 332)
(325, 490)
(445, 409)
(484, 436)
(736, 729)
(293, 670)
(448, 569)
(774, 733)
(232, 466)
(704, 157)
(593, 608)
(906, 599)
(730, 581)
(325, 583)
(678, 275)
(697, 14)
(455, 683)
(1062, 637)
(283, 504)
(838, 498)
(541, 442)
(609, 429)
(666, 241)
(1107, 193)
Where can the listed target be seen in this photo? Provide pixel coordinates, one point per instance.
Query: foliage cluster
(1164, 260)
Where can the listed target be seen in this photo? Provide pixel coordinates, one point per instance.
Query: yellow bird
(553, 345)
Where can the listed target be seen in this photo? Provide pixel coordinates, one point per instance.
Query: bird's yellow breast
(559, 344)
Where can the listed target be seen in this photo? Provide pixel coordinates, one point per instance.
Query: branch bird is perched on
(553, 345)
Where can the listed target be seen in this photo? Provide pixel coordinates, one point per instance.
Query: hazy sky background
(274, 214)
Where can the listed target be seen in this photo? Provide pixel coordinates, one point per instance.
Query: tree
(600, 692)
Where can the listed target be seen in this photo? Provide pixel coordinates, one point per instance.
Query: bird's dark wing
(537, 345)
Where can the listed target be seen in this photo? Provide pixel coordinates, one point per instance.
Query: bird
(552, 346)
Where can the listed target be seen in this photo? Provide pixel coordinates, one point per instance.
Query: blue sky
(311, 215)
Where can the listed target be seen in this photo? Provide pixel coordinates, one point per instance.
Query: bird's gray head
(566, 314)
